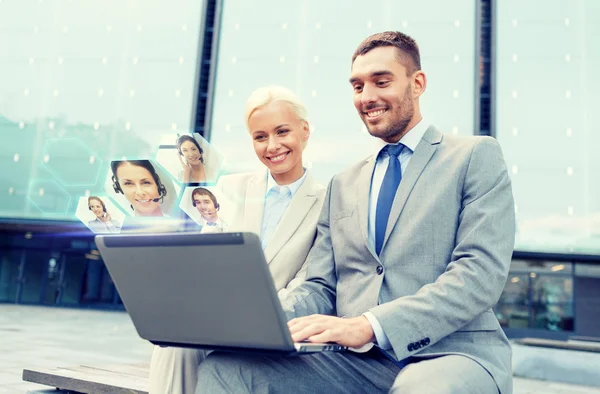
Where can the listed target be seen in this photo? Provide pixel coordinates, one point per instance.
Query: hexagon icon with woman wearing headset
(189, 158)
(99, 214)
(142, 188)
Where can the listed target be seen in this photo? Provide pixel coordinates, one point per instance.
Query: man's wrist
(381, 338)
(366, 328)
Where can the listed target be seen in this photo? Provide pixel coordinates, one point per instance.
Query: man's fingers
(307, 331)
(298, 324)
(294, 328)
(315, 328)
(305, 319)
(304, 332)
(325, 336)
(321, 328)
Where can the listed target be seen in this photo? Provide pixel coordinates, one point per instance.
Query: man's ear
(419, 83)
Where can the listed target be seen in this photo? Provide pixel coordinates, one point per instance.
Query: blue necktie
(391, 180)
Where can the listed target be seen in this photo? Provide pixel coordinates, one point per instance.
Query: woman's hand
(187, 169)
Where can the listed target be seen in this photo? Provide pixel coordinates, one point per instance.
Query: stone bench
(113, 379)
(584, 345)
(572, 361)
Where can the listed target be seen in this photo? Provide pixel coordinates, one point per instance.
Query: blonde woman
(281, 203)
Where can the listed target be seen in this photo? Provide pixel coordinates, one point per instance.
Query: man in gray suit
(413, 250)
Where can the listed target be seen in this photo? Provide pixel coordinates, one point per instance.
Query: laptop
(210, 291)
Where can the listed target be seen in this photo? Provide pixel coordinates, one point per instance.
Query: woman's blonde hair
(263, 96)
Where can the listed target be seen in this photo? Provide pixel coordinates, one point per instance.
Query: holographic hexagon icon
(49, 197)
(100, 214)
(142, 188)
(208, 207)
(189, 158)
(71, 162)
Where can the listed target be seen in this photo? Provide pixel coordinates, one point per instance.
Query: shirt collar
(216, 223)
(411, 139)
(271, 183)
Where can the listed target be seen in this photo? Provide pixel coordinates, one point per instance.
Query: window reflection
(513, 308)
(546, 90)
(552, 305)
(308, 48)
(539, 295)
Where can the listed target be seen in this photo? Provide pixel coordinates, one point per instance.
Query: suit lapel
(295, 213)
(255, 202)
(421, 156)
(364, 188)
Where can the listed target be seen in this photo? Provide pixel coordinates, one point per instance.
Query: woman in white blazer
(280, 203)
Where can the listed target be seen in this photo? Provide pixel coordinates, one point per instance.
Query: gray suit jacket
(445, 256)
(294, 236)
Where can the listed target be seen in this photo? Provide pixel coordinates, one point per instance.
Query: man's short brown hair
(201, 191)
(408, 50)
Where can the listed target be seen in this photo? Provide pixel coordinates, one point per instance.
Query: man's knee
(419, 378)
(444, 375)
(408, 381)
(219, 372)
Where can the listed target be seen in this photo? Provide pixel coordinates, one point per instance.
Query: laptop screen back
(197, 289)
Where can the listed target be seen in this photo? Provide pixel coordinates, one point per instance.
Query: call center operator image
(103, 223)
(207, 205)
(191, 158)
(138, 181)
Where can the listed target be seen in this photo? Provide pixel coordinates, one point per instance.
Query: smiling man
(208, 207)
(413, 249)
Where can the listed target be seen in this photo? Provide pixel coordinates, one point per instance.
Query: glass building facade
(84, 83)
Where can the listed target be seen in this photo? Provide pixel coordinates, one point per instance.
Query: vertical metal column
(485, 66)
(206, 68)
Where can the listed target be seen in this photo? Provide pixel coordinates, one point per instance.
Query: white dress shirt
(277, 199)
(98, 226)
(410, 140)
(219, 226)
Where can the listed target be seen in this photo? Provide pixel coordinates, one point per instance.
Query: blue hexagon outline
(56, 175)
(59, 188)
